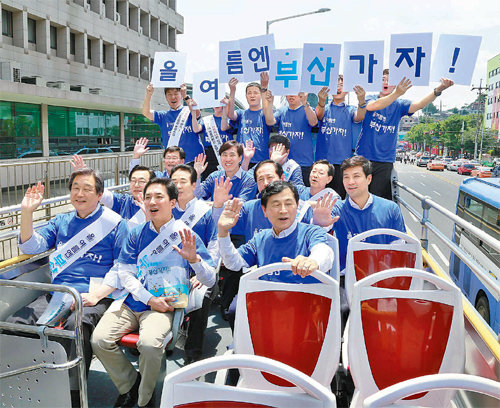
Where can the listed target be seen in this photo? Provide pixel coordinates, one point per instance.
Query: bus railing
(48, 209)
(45, 331)
(428, 204)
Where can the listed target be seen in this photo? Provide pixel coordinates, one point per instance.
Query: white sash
(289, 167)
(138, 218)
(194, 213)
(302, 210)
(83, 241)
(213, 135)
(154, 271)
(322, 193)
(177, 129)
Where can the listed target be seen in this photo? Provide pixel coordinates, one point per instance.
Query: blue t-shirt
(225, 135)
(293, 124)
(161, 174)
(189, 141)
(381, 213)
(264, 249)
(97, 261)
(252, 219)
(205, 227)
(244, 187)
(138, 239)
(379, 133)
(337, 133)
(125, 205)
(252, 126)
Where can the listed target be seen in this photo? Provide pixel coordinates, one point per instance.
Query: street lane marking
(440, 254)
(436, 192)
(422, 183)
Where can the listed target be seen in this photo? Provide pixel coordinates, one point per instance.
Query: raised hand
(303, 98)
(248, 150)
(224, 101)
(139, 200)
(323, 95)
(195, 283)
(140, 147)
(264, 79)
(279, 154)
(150, 89)
(232, 85)
(191, 103)
(229, 217)
(183, 89)
(302, 265)
(322, 212)
(77, 162)
(200, 164)
(360, 93)
(33, 198)
(269, 96)
(445, 83)
(403, 86)
(221, 191)
(188, 251)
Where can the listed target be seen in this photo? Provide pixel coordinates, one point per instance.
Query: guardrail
(427, 225)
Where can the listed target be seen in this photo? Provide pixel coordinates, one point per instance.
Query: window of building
(20, 129)
(72, 43)
(89, 48)
(53, 37)
(7, 23)
(137, 126)
(31, 31)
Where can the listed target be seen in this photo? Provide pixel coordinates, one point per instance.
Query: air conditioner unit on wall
(10, 71)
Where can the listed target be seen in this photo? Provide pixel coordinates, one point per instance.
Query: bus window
(473, 211)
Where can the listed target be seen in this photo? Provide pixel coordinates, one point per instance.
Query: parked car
(481, 172)
(496, 171)
(453, 165)
(435, 165)
(36, 153)
(466, 168)
(94, 150)
(422, 161)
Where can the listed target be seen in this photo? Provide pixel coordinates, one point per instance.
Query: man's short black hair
(173, 149)
(331, 169)
(277, 167)
(277, 187)
(358, 161)
(231, 143)
(168, 89)
(99, 182)
(143, 168)
(277, 138)
(385, 71)
(169, 185)
(256, 84)
(189, 169)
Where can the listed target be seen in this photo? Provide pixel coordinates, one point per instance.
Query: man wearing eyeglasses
(243, 185)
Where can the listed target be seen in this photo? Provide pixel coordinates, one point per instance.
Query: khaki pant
(153, 328)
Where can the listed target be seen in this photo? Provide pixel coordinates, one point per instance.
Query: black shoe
(129, 399)
(151, 402)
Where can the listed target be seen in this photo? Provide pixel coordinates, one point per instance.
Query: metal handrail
(492, 285)
(76, 335)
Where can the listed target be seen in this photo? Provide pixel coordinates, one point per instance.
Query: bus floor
(102, 392)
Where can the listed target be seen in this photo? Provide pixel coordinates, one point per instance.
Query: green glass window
(137, 126)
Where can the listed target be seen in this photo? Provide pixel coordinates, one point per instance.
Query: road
(441, 187)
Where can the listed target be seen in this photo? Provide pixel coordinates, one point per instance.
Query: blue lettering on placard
(259, 54)
(287, 71)
(168, 73)
(234, 62)
(405, 56)
(329, 66)
(207, 86)
(371, 63)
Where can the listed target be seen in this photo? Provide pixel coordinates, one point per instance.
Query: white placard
(169, 69)
(255, 52)
(455, 58)
(207, 89)
(284, 74)
(363, 65)
(230, 61)
(410, 57)
(320, 66)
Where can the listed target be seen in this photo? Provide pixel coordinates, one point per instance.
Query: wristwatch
(362, 106)
(187, 98)
(436, 93)
(263, 89)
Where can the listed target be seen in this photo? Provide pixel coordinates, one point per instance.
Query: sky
(206, 22)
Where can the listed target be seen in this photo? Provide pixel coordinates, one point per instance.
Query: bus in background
(479, 203)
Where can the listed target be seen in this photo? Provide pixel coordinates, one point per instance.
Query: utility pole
(480, 112)
(462, 142)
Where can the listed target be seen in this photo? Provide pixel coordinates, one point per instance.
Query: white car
(454, 165)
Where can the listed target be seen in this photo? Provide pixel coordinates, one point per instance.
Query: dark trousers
(197, 325)
(338, 182)
(381, 179)
(306, 171)
(91, 316)
(211, 160)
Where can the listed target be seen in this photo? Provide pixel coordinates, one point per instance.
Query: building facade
(492, 111)
(73, 73)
